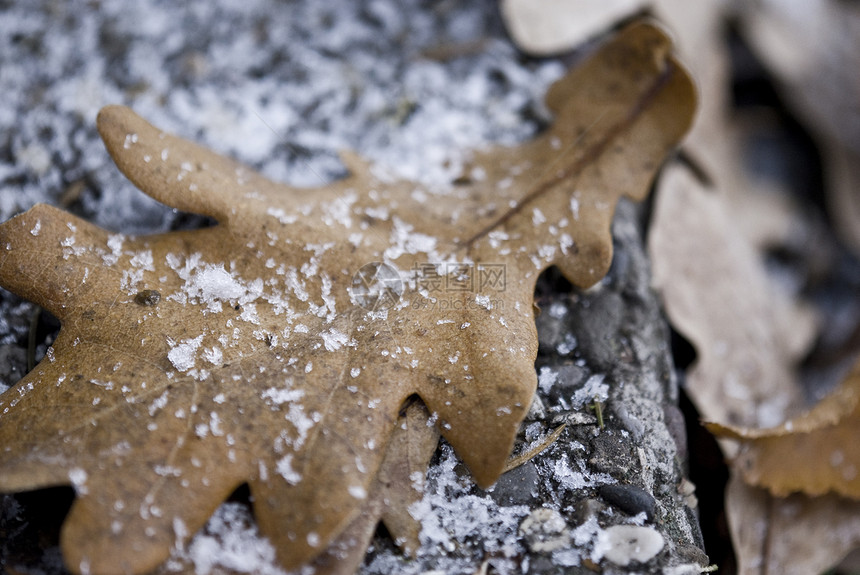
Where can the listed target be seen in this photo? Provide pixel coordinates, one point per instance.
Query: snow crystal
(214, 282)
(334, 339)
(546, 379)
(159, 403)
(567, 344)
(213, 355)
(279, 395)
(357, 491)
(285, 468)
(404, 240)
(78, 477)
(592, 390)
(282, 216)
(484, 300)
(184, 355)
(230, 541)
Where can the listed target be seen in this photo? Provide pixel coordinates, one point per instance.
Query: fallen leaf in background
(747, 334)
(797, 535)
(192, 362)
(814, 453)
(544, 27)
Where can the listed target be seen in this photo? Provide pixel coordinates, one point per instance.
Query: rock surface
(412, 88)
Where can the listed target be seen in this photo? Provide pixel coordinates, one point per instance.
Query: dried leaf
(251, 352)
(398, 485)
(797, 535)
(544, 27)
(815, 453)
(747, 333)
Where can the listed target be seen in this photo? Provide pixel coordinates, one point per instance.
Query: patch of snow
(229, 541)
(284, 467)
(183, 355)
(592, 390)
(78, 478)
(546, 379)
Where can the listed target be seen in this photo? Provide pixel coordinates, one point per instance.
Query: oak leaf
(814, 453)
(192, 362)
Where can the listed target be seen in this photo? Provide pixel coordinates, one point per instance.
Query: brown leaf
(815, 453)
(796, 535)
(398, 485)
(192, 362)
(747, 333)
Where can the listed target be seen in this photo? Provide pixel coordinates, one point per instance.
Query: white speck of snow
(557, 310)
(78, 477)
(213, 355)
(338, 210)
(215, 425)
(484, 300)
(572, 479)
(143, 260)
(282, 216)
(537, 217)
(184, 355)
(357, 491)
(231, 541)
(623, 544)
(593, 390)
(281, 395)
(249, 314)
(565, 242)
(159, 403)
(313, 539)
(567, 344)
(36, 228)
(334, 339)
(213, 281)
(285, 469)
(574, 205)
(129, 140)
(404, 241)
(355, 372)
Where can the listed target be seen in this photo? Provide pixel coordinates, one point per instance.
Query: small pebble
(545, 531)
(630, 499)
(624, 544)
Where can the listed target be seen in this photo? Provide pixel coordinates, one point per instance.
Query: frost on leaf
(255, 364)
